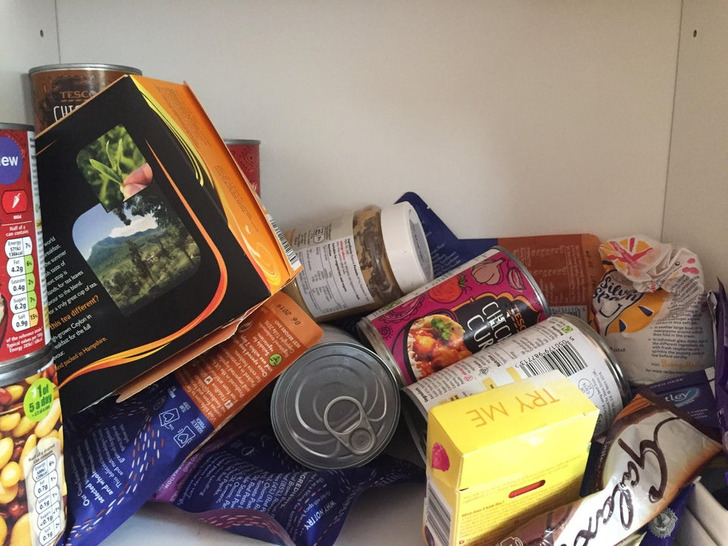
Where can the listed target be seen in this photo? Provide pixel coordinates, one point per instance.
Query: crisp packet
(244, 482)
(721, 363)
(652, 451)
(651, 307)
(118, 454)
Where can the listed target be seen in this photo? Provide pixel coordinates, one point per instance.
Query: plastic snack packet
(651, 307)
(652, 451)
(243, 481)
(118, 454)
(721, 363)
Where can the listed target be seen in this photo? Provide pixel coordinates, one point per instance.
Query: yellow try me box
(498, 458)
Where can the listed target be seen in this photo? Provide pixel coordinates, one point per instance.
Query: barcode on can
(561, 357)
(438, 517)
(291, 255)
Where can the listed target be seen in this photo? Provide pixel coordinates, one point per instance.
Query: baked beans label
(478, 304)
(23, 324)
(33, 490)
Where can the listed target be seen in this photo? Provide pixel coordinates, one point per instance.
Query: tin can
(59, 88)
(24, 324)
(33, 490)
(561, 342)
(460, 313)
(337, 406)
(247, 155)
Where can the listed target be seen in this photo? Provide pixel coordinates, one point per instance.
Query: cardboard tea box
(498, 458)
(155, 246)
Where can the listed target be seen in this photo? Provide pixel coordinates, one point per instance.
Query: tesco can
(485, 300)
(561, 342)
(57, 89)
(337, 406)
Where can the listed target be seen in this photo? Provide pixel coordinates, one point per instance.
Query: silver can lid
(336, 407)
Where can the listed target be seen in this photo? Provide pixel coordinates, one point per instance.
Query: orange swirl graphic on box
(143, 351)
(259, 255)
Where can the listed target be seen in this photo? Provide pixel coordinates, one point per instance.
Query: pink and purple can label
(472, 307)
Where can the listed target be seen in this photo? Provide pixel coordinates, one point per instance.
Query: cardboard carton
(498, 458)
(155, 246)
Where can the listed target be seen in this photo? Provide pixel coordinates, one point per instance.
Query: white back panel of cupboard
(28, 38)
(509, 118)
(696, 211)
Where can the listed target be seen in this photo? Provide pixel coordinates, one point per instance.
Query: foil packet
(652, 451)
(244, 482)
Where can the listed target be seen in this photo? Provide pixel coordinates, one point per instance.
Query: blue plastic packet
(118, 454)
(244, 482)
(661, 531)
(693, 393)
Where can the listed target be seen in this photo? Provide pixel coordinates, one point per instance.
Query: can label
(24, 326)
(57, 92)
(247, 155)
(474, 306)
(332, 279)
(31, 464)
(555, 344)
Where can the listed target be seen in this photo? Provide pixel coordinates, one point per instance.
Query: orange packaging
(226, 378)
(566, 267)
(156, 248)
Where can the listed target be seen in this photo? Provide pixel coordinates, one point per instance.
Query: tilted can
(561, 342)
(485, 300)
(32, 483)
(337, 406)
(59, 88)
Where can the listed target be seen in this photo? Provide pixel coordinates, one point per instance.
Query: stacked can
(337, 406)
(32, 492)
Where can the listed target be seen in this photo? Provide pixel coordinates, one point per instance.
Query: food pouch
(244, 482)
(118, 454)
(651, 452)
(652, 309)
(721, 363)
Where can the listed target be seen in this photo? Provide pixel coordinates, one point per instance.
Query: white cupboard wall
(507, 117)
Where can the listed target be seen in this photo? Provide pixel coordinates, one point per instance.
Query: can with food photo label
(337, 406)
(485, 300)
(247, 155)
(33, 487)
(59, 88)
(561, 342)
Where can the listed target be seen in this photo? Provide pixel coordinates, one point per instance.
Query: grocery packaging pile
(164, 341)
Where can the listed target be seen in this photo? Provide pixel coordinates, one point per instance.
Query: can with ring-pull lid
(337, 406)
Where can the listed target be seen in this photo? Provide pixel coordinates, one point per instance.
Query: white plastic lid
(406, 246)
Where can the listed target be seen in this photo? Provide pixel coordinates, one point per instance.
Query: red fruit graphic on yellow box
(440, 460)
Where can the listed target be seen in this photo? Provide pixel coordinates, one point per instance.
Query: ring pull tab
(359, 438)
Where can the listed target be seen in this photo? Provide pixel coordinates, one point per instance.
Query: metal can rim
(302, 361)
(16, 127)
(374, 338)
(26, 365)
(529, 277)
(84, 66)
(248, 142)
(622, 384)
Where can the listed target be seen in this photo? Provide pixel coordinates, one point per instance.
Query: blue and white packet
(244, 482)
